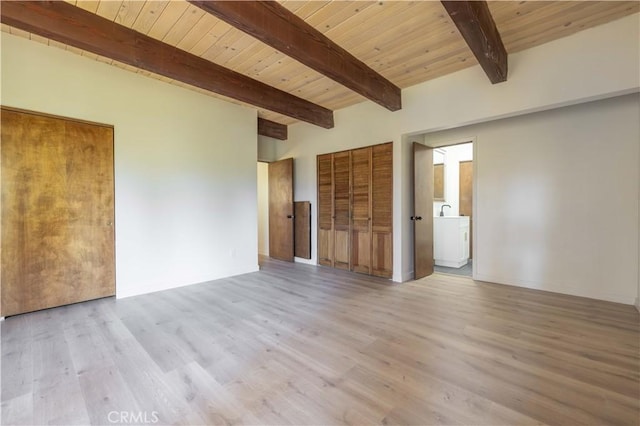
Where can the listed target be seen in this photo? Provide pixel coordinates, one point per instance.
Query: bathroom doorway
(452, 209)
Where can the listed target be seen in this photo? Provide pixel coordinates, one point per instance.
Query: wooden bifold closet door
(57, 213)
(342, 209)
(355, 210)
(361, 210)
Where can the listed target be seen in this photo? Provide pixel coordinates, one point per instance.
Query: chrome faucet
(441, 209)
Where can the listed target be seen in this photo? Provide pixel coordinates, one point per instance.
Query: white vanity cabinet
(451, 241)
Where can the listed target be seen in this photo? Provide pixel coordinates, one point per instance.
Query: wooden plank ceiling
(405, 42)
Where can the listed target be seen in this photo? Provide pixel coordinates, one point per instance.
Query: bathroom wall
(453, 155)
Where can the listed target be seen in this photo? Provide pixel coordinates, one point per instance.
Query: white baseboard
(555, 288)
(1, 318)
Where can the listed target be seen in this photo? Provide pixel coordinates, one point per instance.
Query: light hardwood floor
(296, 344)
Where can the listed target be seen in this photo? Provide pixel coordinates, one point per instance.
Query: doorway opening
(275, 209)
(452, 209)
(263, 211)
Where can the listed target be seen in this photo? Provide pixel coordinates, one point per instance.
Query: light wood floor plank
(297, 344)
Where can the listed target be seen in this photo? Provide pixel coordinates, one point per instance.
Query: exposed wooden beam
(272, 129)
(275, 25)
(65, 23)
(476, 25)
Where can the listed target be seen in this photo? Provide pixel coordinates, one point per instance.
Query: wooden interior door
(281, 210)
(361, 210)
(422, 210)
(325, 209)
(302, 229)
(382, 210)
(57, 214)
(466, 197)
(342, 209)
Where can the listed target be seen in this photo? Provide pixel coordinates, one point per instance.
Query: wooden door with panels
(281, 214)
(57, 213)
(342, 210)
(361, 170)
(423, 264)
(355, 210)
(466, 197)
(382, 210)
(325, 209)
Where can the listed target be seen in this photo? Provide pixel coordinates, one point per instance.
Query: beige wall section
(185, 164)
(567, 71)
(556, 198)
(263, 209)
(267, 149)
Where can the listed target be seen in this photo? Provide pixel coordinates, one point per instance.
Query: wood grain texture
(475, 23)
(281, 215)
(272, 129)
(342, 210)
(465, 191)
(77, 27)
(382, 210)
(298, 344)
(361, 179)
(406, 42)
(423, 188)
(325, 209)
(302, 229)
(57, 212)
(276, 26)
(438, 182)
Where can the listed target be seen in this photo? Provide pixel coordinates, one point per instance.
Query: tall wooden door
(342, 209)
(466, 197)
(422, 210)
(361, 210)
(325, 209)
(281, 210)
(382, 210)
(57, 237)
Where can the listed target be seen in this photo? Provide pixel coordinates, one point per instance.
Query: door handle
(290, 216)
(418, 217)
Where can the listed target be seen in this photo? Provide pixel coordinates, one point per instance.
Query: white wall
(556, 198)
(263, 209)
(267, 148)
(597, 63)
(185, 164)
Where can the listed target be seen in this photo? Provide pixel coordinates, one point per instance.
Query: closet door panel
(57, 236)
(342, 209)
(382, 210)
(325, 210)
(361, 210)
